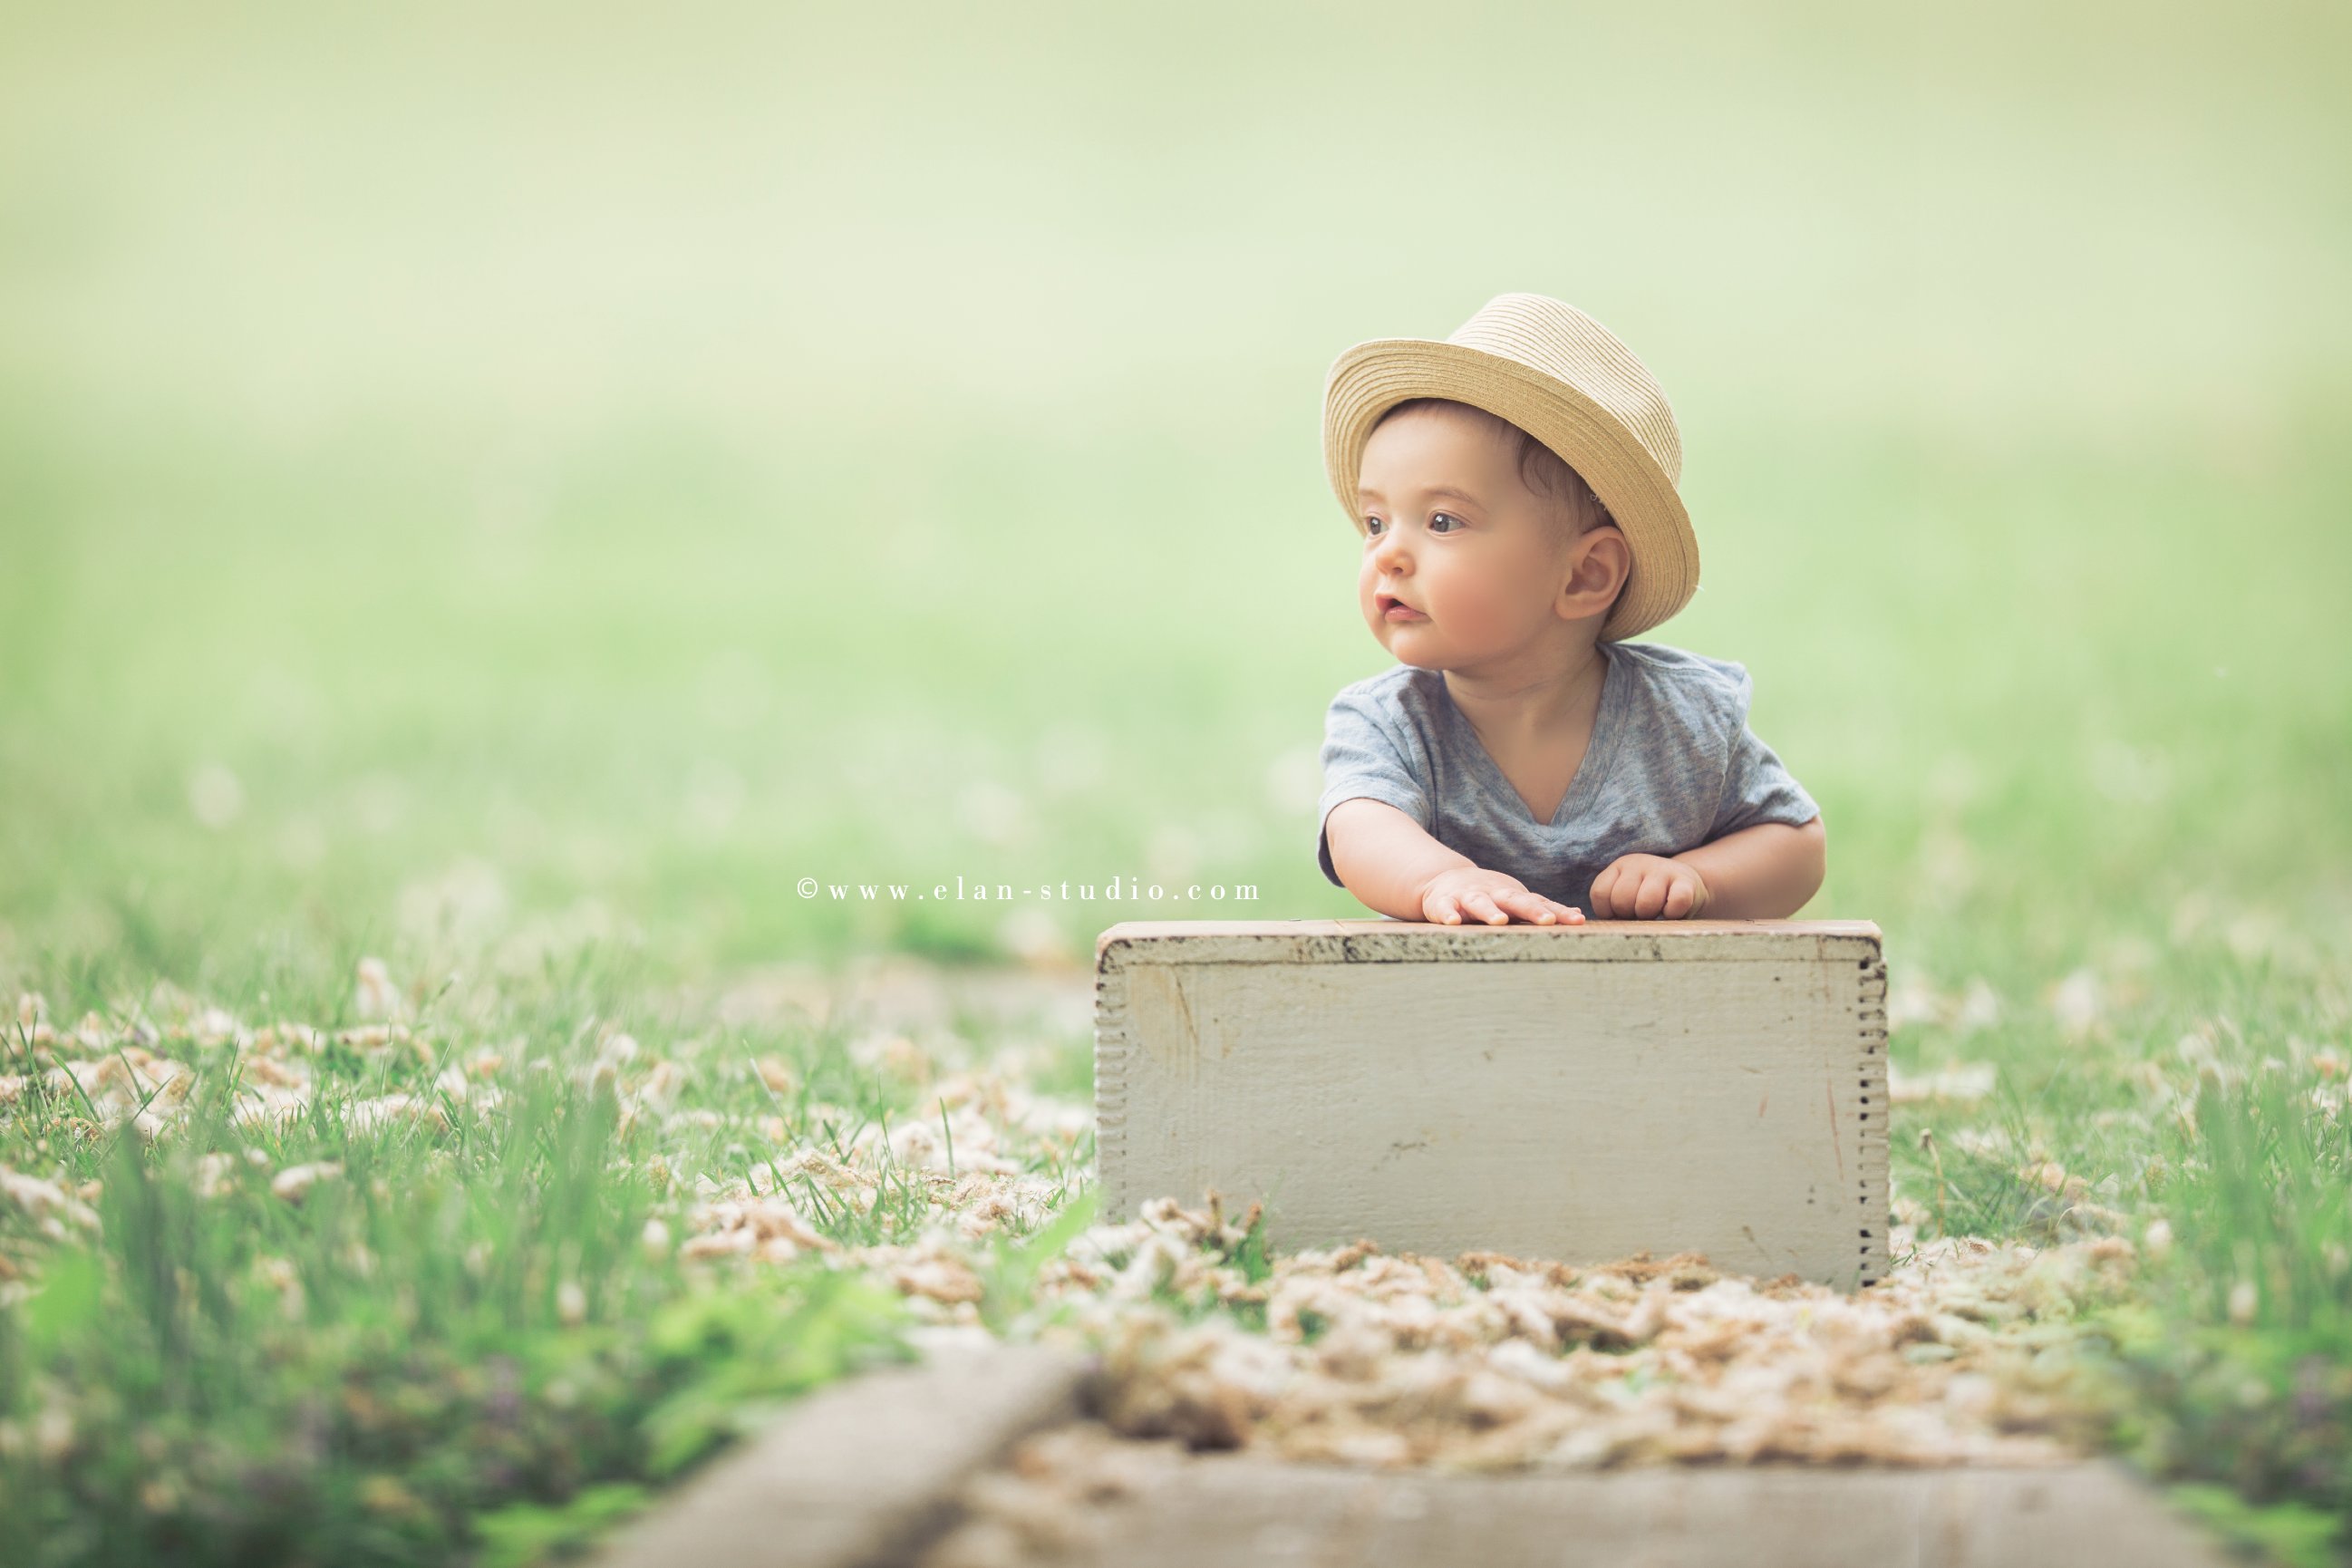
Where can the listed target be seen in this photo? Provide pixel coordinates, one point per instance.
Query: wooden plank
(1229, 1510)
(861, 1471)
(1388, 941)
(1552, 1094)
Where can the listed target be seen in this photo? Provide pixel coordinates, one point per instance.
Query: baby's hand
(1648, 888)
(1492, 896)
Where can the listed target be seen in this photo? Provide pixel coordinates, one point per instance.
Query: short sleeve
(1364, 757)
(1756, 786)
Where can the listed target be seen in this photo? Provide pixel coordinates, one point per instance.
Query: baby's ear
(1605, 549)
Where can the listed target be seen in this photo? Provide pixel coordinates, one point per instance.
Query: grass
(589, 478)
(2206, 1115)
(417, 1309)
(2243, 1366)
(453, 1278)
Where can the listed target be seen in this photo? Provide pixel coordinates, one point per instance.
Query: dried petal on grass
(1914, 999)
(1647, 1360)
(294, 1183)
(373, 994)
(940, 1278)
(2079, 1003)
(1962, 1081)
(767, 1227)
(50, 1204)
(385, 1110)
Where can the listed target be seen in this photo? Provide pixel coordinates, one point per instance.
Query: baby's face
(1461, 562)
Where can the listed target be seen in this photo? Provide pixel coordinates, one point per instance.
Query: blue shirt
(1672, 764)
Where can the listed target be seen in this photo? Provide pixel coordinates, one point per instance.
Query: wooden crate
(1576, 1092)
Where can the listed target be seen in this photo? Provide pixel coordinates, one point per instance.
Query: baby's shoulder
(1708, 692)
(1400, 689)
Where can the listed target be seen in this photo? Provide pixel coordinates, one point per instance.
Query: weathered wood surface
(862, 1472)
(1226, 1513)
(1389, 942)
(1570, 1093)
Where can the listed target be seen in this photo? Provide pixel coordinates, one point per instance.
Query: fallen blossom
(2078, 1004)
(374, 996)
(1961, 1081)
(1490, 1362)
(294, 1183)
(52, 1206)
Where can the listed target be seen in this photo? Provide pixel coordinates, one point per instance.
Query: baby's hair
(1541, 469)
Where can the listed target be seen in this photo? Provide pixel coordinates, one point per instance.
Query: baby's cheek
(1479, 603)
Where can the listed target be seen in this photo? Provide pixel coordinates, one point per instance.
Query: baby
(1514, 489)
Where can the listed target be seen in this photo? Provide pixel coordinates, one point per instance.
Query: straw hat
(1565, 379)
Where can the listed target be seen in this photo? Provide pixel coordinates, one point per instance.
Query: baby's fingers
(1679, 899)
(1620, 900)
(1482, 906)
(1533, 908)
(1651, 900)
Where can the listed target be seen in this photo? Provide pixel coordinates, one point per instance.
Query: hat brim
(1373, 377)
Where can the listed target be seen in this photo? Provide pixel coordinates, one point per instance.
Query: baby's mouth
(1392, 608)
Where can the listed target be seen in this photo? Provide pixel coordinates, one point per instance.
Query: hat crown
(1556, 339)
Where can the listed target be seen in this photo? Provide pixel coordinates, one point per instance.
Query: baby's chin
(1413, 645)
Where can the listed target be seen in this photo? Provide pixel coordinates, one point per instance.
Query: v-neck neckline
(1600, 750)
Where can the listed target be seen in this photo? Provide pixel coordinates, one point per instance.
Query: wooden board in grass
(1577, 1093)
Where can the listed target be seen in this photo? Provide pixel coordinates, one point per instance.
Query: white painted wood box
(1577, 1093)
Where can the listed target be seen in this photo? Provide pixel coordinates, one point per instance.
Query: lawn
(506, 497)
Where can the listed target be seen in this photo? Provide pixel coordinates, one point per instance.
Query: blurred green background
(474, 486)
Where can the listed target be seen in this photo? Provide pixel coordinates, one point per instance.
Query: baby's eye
(1437, 517)
(1372, 526)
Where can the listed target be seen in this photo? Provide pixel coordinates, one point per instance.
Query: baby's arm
(1392, 865)
(1766, 869)
(1760, 873)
